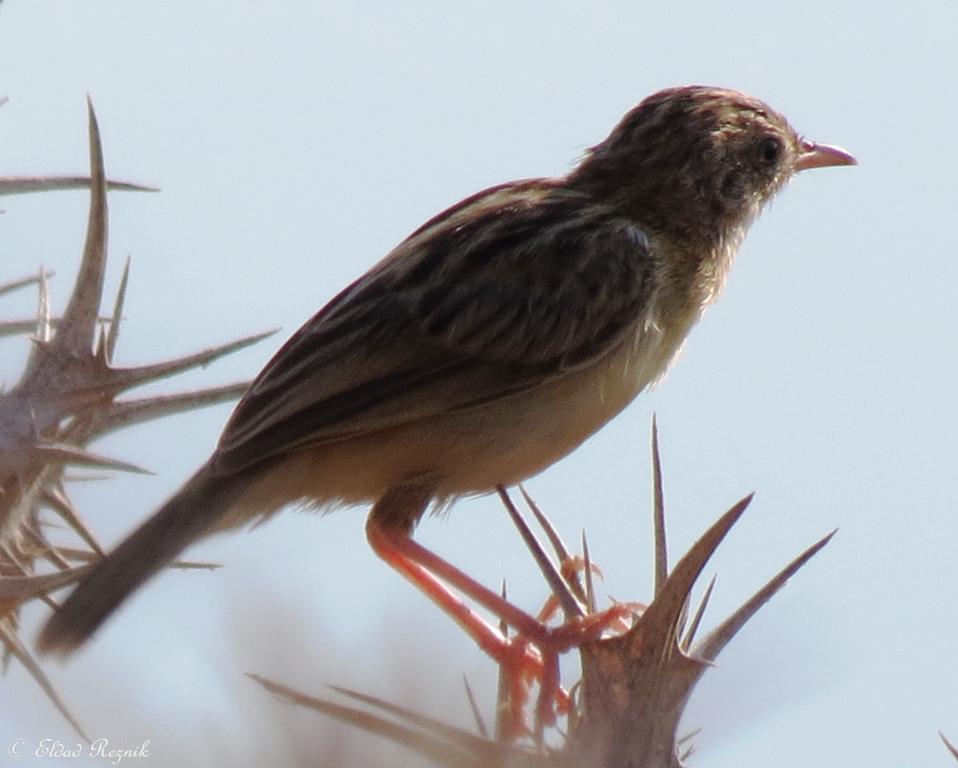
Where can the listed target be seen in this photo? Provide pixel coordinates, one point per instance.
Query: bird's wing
(512, 288)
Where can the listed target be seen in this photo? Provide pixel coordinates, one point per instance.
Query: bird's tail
(185, 517)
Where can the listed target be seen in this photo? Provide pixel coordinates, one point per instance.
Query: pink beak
(822, 156)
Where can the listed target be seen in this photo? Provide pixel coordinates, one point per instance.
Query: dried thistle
(67, 397)
(951, 747)
(626, 708)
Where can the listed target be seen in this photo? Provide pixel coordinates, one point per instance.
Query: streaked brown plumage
(491, 342)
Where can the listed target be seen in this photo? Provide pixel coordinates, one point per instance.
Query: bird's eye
(769, 150)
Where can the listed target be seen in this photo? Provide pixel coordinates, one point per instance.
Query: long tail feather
(184, 518)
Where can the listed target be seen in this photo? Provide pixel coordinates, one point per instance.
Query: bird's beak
(822, 156)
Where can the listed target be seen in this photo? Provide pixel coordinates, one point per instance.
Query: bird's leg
(389, 531)
(402, 546)
(520, 661)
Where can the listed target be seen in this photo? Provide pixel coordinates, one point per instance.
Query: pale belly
(474, 450)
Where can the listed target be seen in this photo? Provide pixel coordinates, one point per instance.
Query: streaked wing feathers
(489, 299)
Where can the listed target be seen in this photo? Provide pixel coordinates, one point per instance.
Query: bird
(490, 343)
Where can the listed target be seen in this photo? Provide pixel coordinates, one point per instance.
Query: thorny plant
(636, 680)
(66, 397)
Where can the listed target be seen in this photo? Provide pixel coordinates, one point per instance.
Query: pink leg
(425, 568)
(531, 655)
(391, 547)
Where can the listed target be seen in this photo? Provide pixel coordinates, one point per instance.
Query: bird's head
(698, 160)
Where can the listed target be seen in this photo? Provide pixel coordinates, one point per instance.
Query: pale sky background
(297, 142)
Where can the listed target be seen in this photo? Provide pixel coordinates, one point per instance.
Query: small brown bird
(489, 344)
